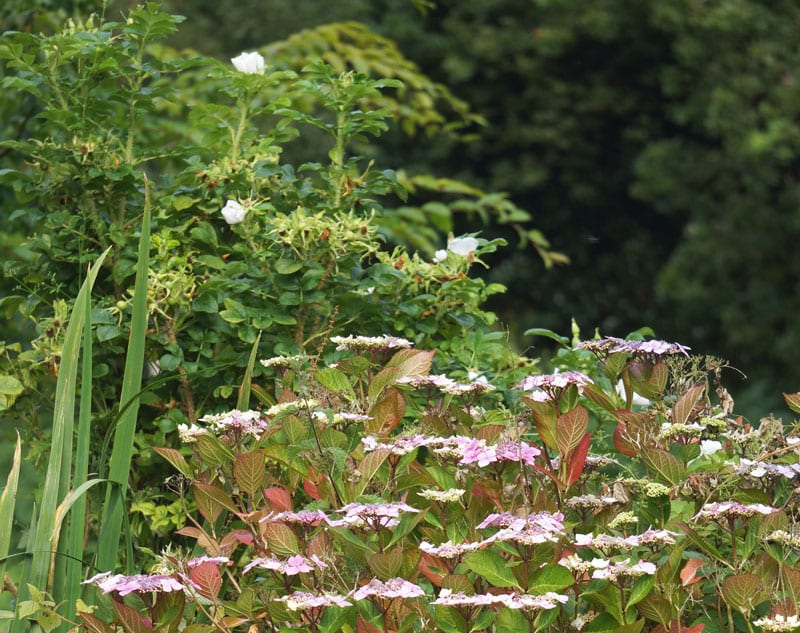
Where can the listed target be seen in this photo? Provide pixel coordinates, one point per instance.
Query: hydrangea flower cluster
(466, 450)
(392, 588)
(733, 510)
(372, 515)
(292, 566)
(526, 601)
(138, 583)
(758, 469)
(642, 349)
(548, 387)
(448, 385)
(648, 538)
(370, 343)
(236, 422)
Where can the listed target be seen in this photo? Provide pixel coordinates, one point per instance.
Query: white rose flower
(463, 246)
(709, 447)
(249, 63)
(233, 212)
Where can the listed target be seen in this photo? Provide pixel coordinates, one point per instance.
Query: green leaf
(539, 331)
(10, 386)
(551, 578)
(7, 503)
(510, 621)
(491, 567)
(640, 590)
(122, 451)
(175, 458)
(281, 539)
(334, 381)
(449, 620)
(664, 464)
(57, 478)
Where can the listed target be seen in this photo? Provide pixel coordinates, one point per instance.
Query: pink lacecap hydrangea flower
(392, 588)
(138, 583)
(550, 382)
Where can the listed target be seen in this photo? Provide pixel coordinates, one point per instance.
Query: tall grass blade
(57, 477)
(122, 449)
(73, 543)
(243, 402)
(7, 503)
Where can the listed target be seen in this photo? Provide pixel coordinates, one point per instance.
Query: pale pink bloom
(235, 421)
(733, 509)
(449, 549)
(392, 588)
(373, 515)
(293, 566)
(448, 598)
(624, 569)
(139, 583)
(200, 560)
(476, 451)
(301, 600)
(304, 517)
(527, 601)
(614, 345)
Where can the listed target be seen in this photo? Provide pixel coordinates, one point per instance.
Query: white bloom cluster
(370, 343)
(443, 496)
(778, 623)
(284, 361)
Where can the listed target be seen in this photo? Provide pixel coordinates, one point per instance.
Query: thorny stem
(236, 135)
(191, 412)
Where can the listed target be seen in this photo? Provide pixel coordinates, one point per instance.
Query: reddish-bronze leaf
(683, 407)
(578, 460)
(622, 440)
(386, 413)
(412, 362)
(386, 565)
(570, 429)
(792, 401)
(432, 568)
(279, 499)
(130, 618)
(743, 592)
(689, 570)
(282, 540)
(93, 624)
(175, 458)
(250, 472)
(204, 540)
(207, 580)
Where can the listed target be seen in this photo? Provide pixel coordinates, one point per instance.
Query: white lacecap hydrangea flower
(443, 496)
(249, 63)
(439, 256)
(778, 623)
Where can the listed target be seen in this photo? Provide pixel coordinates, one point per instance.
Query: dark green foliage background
(655, 142)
